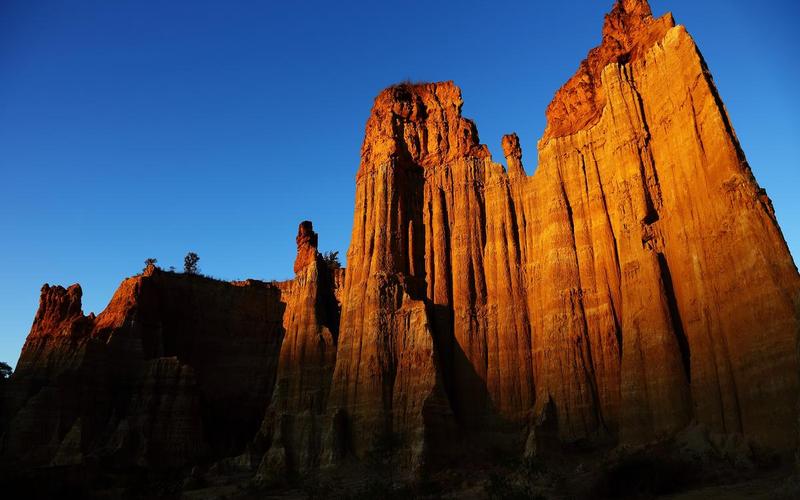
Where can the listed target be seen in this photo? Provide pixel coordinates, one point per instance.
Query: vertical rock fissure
(444, 325)
(697, 134)
(677, 322)
(585, 352)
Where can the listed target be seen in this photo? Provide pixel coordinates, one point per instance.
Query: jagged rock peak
(158, 367)
(420, 123)
(629, 29)
(513, 153)
(624, 22)
(58, 306)
(306, 245)
(65, 300)
(627, 13)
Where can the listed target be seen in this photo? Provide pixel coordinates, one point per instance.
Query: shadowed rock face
(176, 369)
(291, 432)
(636, 282)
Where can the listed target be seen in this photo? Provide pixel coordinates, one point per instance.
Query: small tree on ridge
(5, 370)
(190, 263)
(332, 259)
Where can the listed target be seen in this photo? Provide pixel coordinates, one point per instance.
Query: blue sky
(135, 129)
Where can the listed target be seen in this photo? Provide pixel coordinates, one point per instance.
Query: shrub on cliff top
(332, 259)
(190, 263)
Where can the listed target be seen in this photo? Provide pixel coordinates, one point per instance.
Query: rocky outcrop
(677, 253)
(388, 385)
(628, 31)
(176, 369)
(307, 252)
(292, 429)
(636, 282)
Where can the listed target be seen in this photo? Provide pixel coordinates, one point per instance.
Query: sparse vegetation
(190, 263)
(331, 258)
(149, 262)
(5, 370)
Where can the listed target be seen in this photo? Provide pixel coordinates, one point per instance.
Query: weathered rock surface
(306, 246)
(637, 281)
(635, 286)
(176, 369)
(674, 248)
(292, 429)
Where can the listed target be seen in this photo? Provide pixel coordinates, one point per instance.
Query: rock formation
(637, 282)
(674, 249)
(176, 369)
(292, 428)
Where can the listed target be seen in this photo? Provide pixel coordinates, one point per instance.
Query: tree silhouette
(190, 263)
(5, 370)
(332, 259)
(149, 262)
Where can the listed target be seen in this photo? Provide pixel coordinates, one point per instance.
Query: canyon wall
(177, 368)
(636, 283)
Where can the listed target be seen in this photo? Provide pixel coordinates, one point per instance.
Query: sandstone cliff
(176, 369)
(636, 282)
(179, 370)
(673, 247)
(292, 429)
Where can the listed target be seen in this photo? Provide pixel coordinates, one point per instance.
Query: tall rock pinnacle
(290, 434)
(604, 286)
(667, 219)
(306, 245)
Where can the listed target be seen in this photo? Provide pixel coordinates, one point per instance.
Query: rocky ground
(695, 464)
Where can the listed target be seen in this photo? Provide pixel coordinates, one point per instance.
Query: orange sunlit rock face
(306, 246)
(675, 248)
(635, 283)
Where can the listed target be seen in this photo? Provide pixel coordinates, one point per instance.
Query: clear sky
(134, 129)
